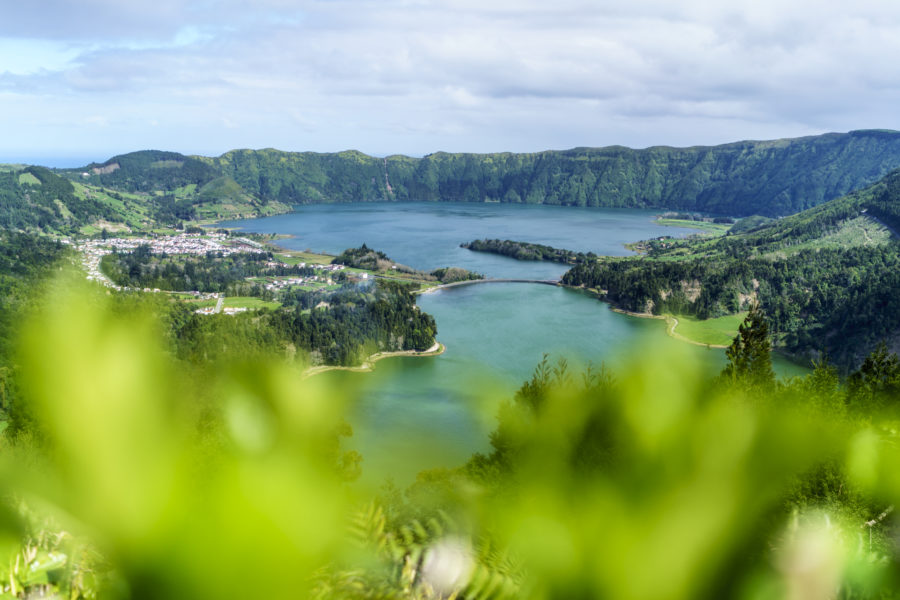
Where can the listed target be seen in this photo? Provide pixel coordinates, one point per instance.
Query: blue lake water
(428, 235)
(416, 413)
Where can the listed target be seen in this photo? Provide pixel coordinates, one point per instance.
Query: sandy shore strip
(671, 324)
(369, 363)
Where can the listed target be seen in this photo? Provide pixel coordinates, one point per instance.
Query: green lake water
(416, 413)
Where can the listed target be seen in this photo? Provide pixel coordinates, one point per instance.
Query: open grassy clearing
(129, 206)
(292, 257)
(861, 231)
(185, 190)
(716, 228)
(715, 332)
(249, 302)
(28, 179)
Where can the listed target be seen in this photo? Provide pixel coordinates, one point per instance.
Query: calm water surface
(428, 235)
(416, 413)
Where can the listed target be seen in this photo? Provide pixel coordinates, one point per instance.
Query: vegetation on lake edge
(378, 262)
(827, 277)
(528, 251)
(715, 332)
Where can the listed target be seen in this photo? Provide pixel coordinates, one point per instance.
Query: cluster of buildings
(286, 282)
(228, 310)
(184, 243)
(280, 284)
(95, 250)
(92, 266)
(327, 268)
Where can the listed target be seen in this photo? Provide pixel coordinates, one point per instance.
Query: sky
(83, 81)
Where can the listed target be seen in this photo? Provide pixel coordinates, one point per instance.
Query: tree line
(528, 251)
(341, 327)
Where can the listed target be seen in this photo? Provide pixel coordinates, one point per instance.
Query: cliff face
(772, 178)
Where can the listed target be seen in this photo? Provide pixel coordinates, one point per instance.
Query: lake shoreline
(671, 321)
(281, 242)
(671, 324)
(368, 365)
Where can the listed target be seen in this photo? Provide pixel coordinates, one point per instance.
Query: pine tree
(878, 379)
(750, 354)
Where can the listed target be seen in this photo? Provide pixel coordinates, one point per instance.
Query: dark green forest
(150, 170)
(743, 178)
(528, 251)
(341, 327)
(25, 261)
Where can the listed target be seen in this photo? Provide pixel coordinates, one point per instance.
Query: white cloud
(415, 76)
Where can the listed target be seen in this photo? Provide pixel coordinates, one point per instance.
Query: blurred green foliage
(146, 476)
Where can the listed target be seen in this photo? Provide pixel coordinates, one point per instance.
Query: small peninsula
(529, 251)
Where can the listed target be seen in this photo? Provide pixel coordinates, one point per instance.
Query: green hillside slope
(166, 188)
(828, 278)
(769, 178)
(149, 170)
(36, 199)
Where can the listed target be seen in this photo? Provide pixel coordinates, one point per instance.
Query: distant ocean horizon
(54, 162)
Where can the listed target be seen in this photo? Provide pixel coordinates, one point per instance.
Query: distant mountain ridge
(153, 188)
(772, 178)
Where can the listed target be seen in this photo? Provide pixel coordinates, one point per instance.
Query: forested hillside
(827, 278)
(35, 198)
(150, 170)
(777, 177)
(149, 189)
(24, 259)
(192, 188)
(349, 325)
